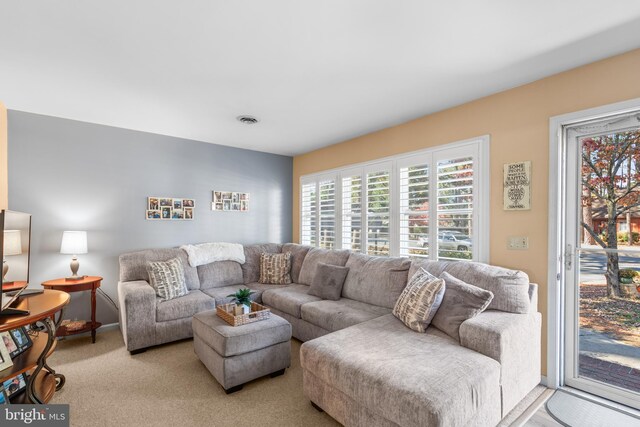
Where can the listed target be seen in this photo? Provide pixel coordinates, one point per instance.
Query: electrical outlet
(518, 243)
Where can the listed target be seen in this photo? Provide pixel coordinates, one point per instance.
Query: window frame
(477, 148)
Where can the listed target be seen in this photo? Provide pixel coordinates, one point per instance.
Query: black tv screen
(15, 241)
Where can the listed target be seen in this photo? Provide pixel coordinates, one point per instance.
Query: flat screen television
(15, 244)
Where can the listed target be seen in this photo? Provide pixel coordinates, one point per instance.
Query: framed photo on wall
(230, 201)
(170, 208)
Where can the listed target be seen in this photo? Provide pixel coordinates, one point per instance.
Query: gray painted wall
(73, 175)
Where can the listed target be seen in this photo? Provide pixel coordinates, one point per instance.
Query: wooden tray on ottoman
(258, 312)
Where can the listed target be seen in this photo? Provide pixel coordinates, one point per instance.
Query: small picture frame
(5, 357)
(21, 339)
(10, 345)
(188, 213)
(151, 215)
(15, 385)
(153, 204)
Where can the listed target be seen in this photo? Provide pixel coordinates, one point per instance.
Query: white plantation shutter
(455, 208)
(327, 214)
(352, 213)
(414, 211)
(308, 215)
(378, 213)
(431, 204)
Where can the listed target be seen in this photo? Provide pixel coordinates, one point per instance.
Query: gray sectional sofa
(360, 364)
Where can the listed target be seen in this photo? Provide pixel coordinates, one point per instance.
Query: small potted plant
(242, 298)
(627, 286)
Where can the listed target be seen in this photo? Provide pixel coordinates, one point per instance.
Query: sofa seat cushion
(409, 378)
(182, 307)
(288, 299)
(340, 314)
(229, 340)
(220, 294)
(219, 273)
(375, 280)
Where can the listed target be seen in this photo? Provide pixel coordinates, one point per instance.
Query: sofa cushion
(167, 278)
(336, 315)
(316, 256)
(251, 266)
(298, 253)
(186, 306)
(288, 299)
(133, 265)
(221, 294)
(408, 378)
(328, 281)
(461, 302)
(420, 300)
(510, 288)
(220, 273)
(275, 268)
(375, 280)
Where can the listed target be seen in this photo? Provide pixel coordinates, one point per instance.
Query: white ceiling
(315, 73)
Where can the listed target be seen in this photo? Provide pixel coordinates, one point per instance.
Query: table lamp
(74, 243)
(12, 245)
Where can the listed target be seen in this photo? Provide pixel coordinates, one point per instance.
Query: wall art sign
(170, 208)
(517, 186)
(230, 201)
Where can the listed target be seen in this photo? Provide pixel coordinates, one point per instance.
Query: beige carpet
(167, 385)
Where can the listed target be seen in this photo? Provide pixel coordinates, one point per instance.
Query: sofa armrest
(514, 341)
(137, 314)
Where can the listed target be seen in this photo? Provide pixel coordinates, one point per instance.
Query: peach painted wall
(518, 122)
(4, 179)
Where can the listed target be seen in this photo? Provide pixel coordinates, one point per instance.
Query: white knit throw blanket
(206, 253)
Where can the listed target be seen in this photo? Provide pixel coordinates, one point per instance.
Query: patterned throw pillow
(275, 268)
(420, 300)
(167, 278)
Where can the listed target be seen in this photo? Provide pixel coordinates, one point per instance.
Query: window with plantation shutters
(414, 211)
(378, 213)
(455, 208)
(308, 217)
(327, 211)
(352, 213)
(431, 204)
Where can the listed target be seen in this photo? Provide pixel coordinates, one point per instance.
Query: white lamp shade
(74, 243)
(12, 243)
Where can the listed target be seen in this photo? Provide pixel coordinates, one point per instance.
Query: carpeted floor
(167, 385)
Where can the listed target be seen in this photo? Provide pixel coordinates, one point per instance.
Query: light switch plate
(518, 243)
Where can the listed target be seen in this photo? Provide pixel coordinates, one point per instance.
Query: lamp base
(74, 278)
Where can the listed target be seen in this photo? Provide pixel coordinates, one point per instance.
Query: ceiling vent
(247, 120)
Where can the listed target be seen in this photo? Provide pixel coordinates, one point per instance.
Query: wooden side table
(43, 381)
(87, 283)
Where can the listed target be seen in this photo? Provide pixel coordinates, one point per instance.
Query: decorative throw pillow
(420, 300)
(461, 302)
(275, 268)
(167, 278)
(328, 281)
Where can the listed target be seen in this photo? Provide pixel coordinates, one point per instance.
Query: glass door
(602, 258)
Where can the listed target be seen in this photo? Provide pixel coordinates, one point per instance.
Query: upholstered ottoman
(238, 354)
